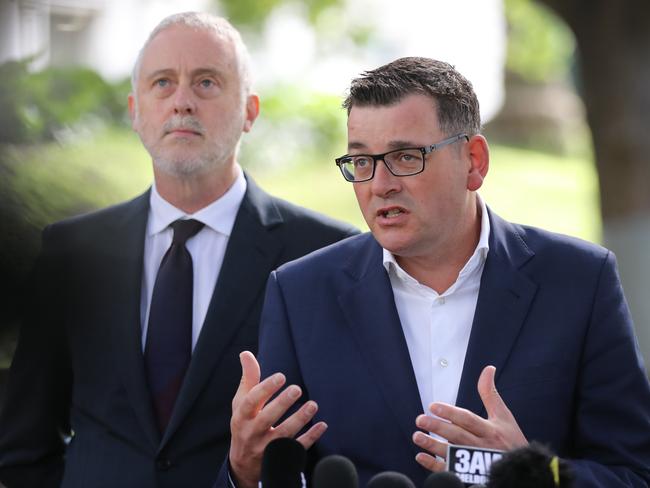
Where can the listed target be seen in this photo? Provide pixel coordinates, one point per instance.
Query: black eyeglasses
(400, 162)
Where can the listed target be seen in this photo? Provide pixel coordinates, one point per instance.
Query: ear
(479, 155)
(252, 111)
(132, 109)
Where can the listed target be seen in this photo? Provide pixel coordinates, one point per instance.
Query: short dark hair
(458, 109)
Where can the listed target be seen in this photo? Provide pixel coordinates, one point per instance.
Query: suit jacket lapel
(505, 296)
(129, 236)
(250, 256)
(369, 308)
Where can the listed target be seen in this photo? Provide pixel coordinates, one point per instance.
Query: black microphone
(533, 466)
(444, 479)
(283, 463)
(390, 479)
(335, 472)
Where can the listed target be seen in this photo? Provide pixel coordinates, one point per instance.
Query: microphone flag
(471, 464)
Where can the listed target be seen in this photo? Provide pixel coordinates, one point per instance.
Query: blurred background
(563, 93)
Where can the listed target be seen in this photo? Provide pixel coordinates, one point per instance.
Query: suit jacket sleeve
(34, 418)
(612, 419)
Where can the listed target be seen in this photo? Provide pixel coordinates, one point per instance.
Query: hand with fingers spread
(460, 426)
(253, 420)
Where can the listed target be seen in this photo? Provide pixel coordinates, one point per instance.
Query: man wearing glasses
(445, 323)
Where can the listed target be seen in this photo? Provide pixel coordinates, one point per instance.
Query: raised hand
(460, 426)
(254, 416)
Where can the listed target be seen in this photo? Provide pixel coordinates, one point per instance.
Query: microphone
(282, 464)
(390, 479)
(335, 472)
(533, 466)
(443, 479)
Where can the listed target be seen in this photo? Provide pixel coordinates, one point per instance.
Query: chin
(183, 167)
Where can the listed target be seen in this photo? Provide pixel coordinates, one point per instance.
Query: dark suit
(79, 361)
(550, 316)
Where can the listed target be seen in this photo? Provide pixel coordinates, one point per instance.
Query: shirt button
(441, 300)
(444, 363)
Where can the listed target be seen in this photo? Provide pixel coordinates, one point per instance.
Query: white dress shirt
(207, 248)
(437, 327)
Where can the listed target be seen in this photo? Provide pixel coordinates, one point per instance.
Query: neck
(439, 270)
(192, 193)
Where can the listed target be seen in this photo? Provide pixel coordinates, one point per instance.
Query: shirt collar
(218, 215)
(475, 261)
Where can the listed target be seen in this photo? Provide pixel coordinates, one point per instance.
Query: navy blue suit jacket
(551, 316)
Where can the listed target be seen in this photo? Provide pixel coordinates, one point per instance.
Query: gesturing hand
(460, 426)
(254, 416)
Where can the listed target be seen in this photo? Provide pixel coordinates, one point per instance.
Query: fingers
(490, 397)
(458, 426)
(249, 403)
(428, 443)
(275, 409)
(250, 377)
(312, 435)
(430, 462)
(250, 370)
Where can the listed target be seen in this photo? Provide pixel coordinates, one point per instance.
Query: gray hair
(202, 21)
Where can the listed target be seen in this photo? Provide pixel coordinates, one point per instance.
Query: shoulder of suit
(92, 225)
(296, 215)
(343, 252)
(274, 211)
(560, 249)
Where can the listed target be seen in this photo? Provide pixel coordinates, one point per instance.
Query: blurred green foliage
(540, 45)
(37, 107)
(253, 13)
(295, 127)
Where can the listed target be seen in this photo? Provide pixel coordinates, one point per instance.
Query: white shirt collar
(475, 261)
(219, 215)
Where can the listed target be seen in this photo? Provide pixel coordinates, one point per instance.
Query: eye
(161, 83)
(206, 83)
(408, 157)
(361, 161)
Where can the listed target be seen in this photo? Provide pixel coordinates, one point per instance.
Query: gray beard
(185, 167)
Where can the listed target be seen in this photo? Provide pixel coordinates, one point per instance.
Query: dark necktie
(168, 347)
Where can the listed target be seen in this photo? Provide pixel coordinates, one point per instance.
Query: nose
(384, 183)
(184, 103)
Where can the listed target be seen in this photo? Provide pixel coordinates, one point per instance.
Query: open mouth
(390, 212)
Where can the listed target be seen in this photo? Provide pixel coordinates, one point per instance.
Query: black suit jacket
(78, 370)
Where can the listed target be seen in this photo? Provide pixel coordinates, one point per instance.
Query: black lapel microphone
(390, 479)
(283, 464)
(533, 466)
(443, 479)
(335, 472)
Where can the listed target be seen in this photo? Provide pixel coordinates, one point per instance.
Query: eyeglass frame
(376, 157)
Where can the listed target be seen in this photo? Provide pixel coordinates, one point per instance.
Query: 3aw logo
(471, 464)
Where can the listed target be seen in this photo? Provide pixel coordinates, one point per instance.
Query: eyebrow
(194, 73)
(392, 145)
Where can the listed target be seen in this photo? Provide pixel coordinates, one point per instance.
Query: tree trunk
(613, 39)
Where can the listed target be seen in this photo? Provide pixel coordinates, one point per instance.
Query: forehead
(413, 118)
(181, 47)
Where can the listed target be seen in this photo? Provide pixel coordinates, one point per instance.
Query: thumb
(490, 397)
(250, 371)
